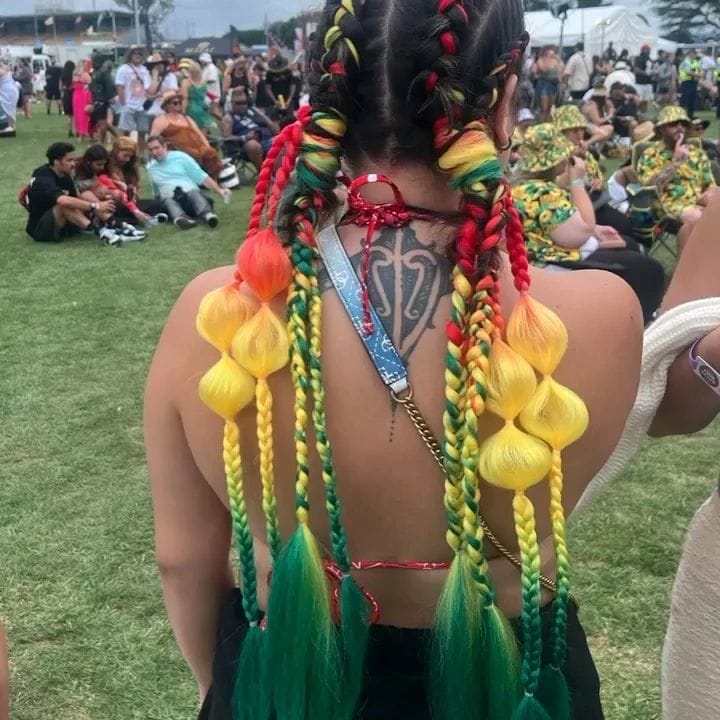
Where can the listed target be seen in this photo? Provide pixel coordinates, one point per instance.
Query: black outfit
(283, 84)
(641, 68)
(52, 82)
(103, 91)
(396, 669)
(645, 275)
(45, 189)
(627, 108)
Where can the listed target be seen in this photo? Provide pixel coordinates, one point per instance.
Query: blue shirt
(177, 169)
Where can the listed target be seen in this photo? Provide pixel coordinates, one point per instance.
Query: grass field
(78, 589)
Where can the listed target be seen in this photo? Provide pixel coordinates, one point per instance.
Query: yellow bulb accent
(262, 345)
(555, 414)
(226, 388)
(513, 460)
(511, 381)
(538, 334)
(221, 313)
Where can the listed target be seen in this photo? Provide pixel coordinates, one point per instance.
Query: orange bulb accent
(264, 264)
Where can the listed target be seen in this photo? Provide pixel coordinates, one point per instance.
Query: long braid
(320, 692)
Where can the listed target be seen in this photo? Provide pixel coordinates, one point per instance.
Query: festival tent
(596, 27)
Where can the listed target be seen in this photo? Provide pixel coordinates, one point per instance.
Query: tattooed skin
(407, 280)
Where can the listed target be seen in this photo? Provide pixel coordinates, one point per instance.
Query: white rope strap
(669, 335)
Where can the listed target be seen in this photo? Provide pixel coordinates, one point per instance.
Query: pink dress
(82, 97)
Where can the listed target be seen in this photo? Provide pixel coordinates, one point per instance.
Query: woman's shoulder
(604, 322)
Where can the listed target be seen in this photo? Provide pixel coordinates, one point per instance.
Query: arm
(184, 90)
(120, 87)
(274, 127)
(210, 184)
(192, 526)
(689, 405)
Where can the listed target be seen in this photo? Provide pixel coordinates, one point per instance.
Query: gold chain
(434, 447)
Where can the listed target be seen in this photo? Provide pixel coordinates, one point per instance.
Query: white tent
(596, 27)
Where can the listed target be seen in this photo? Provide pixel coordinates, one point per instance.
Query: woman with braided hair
(385, 536)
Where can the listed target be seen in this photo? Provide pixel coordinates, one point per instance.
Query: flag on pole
(101, 16)
(90, 31)
(78, 19)
(50, 21)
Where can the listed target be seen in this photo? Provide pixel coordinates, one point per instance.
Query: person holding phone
(680, 171)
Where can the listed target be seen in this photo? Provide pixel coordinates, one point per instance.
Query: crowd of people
(187, 121)
(688, 77)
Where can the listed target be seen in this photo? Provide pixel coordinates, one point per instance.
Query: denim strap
(378, 344)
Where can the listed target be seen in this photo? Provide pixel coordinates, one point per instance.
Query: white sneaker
(130, 232)
(110, 237)
(211, 219)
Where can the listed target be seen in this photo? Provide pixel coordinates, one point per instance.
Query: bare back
(390, 487)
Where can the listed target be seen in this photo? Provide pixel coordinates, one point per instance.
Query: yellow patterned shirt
(592, 167)
(691, 178)
(544, 206)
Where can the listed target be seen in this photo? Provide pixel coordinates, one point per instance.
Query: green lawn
(78, 589)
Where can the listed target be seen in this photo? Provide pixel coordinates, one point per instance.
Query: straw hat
(155, 59)
(167, 96)
(700, 124)
(185, 63)
(544, 148)
(568, 117)
(672, 114)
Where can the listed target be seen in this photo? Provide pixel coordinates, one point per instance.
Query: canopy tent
(596, 27)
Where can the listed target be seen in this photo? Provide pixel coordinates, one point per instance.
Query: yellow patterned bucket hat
(569, 117)
(672, 114)
(544, 148)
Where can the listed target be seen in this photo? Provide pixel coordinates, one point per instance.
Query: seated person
(571, 123)
(93, 173)
(598, 109)
(183, 133)
(177, 179)
(56, 209)
(247, 130)
(698, 126)
(625, 117)
(560, 224)
(625, 175)
(680, 171)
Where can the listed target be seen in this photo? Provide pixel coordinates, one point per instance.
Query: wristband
(704, 370)
(579, 181)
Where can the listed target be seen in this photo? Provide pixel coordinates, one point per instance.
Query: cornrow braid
(300, 594)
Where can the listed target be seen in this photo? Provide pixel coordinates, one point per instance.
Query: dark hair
(383, 100)
(58, 150)
(66, 76)
(94, 153)
(157, 138)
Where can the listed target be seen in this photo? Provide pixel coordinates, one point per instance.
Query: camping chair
(646, 200)
(247, 172)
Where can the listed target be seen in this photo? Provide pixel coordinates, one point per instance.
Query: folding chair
(647, 200)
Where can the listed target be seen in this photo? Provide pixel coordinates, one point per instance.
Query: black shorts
(67, 103)
(99, 112)
(396, 672)
(52, 93)
(47, 229)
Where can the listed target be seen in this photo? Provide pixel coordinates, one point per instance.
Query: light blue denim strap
(378, 344)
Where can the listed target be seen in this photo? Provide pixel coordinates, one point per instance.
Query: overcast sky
(198, 17)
